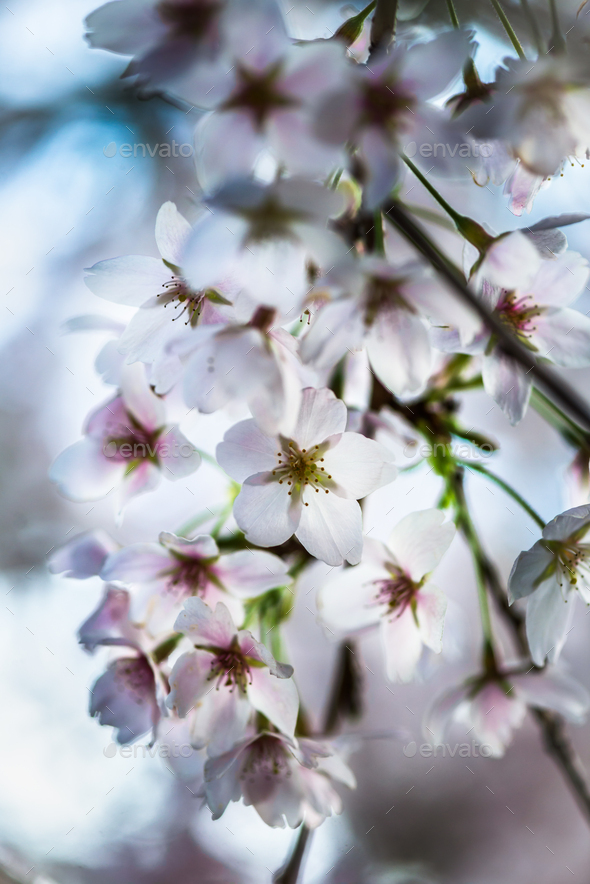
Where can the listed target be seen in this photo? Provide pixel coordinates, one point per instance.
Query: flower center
(230, 668)
(134, 675)
(396, 591)
(188, 577)
(131, 442)
(519, 315)
(188, 18)
(258, 93)
(178, 292)
(301, 468)
(382, 106)
(267, 758)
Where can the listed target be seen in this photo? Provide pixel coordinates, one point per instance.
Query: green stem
(505, 487)
(534, 26)
(509, 29)
(453, 14)
(572, 433)
(352, 28)
(290, 871)
(469, 229)
(557, 39)
(378, 244)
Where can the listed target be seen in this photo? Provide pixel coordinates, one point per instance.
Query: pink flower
(228, 677)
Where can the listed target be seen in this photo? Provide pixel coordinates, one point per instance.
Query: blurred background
(71, 814)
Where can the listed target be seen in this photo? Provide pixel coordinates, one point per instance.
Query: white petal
(138, 563)
(131, 280)
(321, 415)
(336, 327)
(188, 681)
(204, 626)
(548, 616)
(246, 450)
(201, 547)
(560, 280)
(331, 528)
(358, 465)
(441, 712)
(176, 455)
(172, 232)
(420, 541)
(220, 720)
(572, 521)
(277, 698)
(82, 472)
(399, 351)
(349, 600)
(507, 384)
(562, 335)
(432, 66)
(265, 512)
(383, 166)
(139, 399)
(248, 573)
(227, 144)
(431, 607)
(554, 690)
(511, 262)
(84, 555)
(527, 570)
(402, 644)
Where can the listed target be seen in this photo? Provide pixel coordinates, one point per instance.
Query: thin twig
(290, 871)
(383, 26)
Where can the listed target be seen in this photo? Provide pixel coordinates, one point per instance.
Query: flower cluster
(288, 295)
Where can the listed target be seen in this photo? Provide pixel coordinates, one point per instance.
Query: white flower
(549, 574)
(254, 363)
(391, 587)
(162, 575)
(492, 707)
(126, 444)
(379, 106)
(262, 92)
(267, 238)
(226, 678)
(308, 484)
(169, 307)
(382, 307)
(287, 781)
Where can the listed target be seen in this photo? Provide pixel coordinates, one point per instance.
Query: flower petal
(138, 563)
(358, 465)
(562, 335)
(554, 690)
(84, 556)
(189, 680)
(172, 232)
(431, 607)
(246, 450)
(204, 626)
(402, 645)
(349, 600)
(277, 698)
(420, 541)
(321, 415)
(548, 616)
(248, 573)
(527, 570)
(399, 351)
(265, 512)
(131, 280)
(507, 384)
(176, 455)
(82, 472)
(331, 528)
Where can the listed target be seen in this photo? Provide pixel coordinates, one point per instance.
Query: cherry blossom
(125, 698)
(169, 307)
(391, 587)
(226, 678)
(84, 555)
(550, 575)
(287, 781)
(491, 708)
(127, 444)
(308, 484)
(162, 575)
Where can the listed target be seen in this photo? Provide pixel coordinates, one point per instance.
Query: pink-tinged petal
(109, 624)
(132, 280)
(277, 698)
(554, 690)
(125, 26)
(349, 600)
(522, 186)
(172, 232)
(429, 68)
(147, 408)
(246, 450)
(507, 384)
(176, 455)
(331, 528)
(138, 563)
(383, 166)
(562, 335)
(221, 789)
(265, 512)
(313, 69)
(249, 573)
(358, 465)
(572, 521)
(402, 645)
(256, 35)
(84, 555)
(82, 472)
(220, 720)
(494, 715)
(548, 616)
(528, 569)
(189, 680)
(107, 419)
(511, 262)
(201, 547)
(420, 541)
(440, 713)
(336, 327)
(399, 351)
(291, 139)
(143, 477)
(204, 626)
(560, 280)
(125, 698)
(431, 607)
(321, 415)
(257, 651)
(227, 144)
